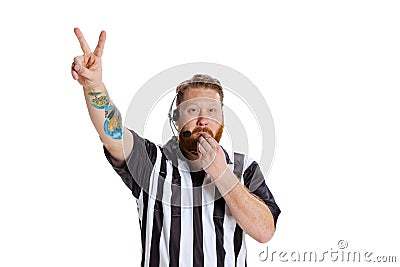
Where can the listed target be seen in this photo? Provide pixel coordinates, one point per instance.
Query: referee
(195, 200)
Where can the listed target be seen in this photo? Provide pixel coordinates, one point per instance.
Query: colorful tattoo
(113, 122)
(113, 119)
(99, 99)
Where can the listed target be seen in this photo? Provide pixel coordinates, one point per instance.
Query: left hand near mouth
(211, 156)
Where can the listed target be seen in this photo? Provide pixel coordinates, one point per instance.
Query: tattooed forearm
(113, 119)
(99, 99)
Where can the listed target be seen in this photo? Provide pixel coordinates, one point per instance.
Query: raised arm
(106, 118)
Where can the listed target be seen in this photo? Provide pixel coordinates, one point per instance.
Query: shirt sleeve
(136, 169)
(255, 182)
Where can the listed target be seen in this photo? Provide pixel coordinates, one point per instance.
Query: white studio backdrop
(329, 71)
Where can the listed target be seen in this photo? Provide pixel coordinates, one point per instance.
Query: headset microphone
(186, 133)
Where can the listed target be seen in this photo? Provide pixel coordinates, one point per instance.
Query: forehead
(200, 93)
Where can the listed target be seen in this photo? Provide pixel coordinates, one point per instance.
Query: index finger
(209, 139)
(84, 45)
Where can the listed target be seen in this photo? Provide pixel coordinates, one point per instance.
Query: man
(195, 202)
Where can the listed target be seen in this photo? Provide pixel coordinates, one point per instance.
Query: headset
(173, 116)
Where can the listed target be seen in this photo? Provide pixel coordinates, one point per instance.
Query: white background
(329, 71)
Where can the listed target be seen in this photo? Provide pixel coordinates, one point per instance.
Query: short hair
(199, 80)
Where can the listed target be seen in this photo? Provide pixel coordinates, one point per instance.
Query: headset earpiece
(175, 115)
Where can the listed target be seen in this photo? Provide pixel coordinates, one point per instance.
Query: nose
(202, 121)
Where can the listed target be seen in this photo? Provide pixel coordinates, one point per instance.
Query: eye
(192, 110)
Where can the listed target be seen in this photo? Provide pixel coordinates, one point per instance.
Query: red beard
(189, 144)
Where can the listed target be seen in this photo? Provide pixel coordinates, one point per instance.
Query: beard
(189, 144)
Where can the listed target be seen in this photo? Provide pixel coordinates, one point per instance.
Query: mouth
(200, 133)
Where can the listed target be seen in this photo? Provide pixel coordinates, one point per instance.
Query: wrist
(226, 182)
(216, 171)
(100, 87)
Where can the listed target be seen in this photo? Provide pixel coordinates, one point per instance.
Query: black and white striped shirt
(183, 221)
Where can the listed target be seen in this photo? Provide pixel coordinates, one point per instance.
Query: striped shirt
(183, 219)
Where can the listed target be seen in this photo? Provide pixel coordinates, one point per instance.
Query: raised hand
(87, 68)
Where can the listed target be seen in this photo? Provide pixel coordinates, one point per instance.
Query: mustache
(203, 129)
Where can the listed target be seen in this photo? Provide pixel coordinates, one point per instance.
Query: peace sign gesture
(86, 69)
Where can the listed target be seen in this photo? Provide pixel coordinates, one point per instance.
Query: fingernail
(77, 67)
